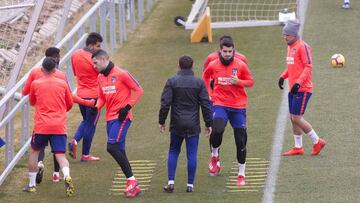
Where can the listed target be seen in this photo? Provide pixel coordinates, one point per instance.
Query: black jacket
(185, 93)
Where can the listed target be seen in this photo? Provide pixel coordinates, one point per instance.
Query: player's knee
(112, 148)
(295, 119)
(219, 126)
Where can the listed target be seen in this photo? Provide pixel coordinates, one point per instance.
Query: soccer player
(37, 73)
(299, 75)
(184, 93)
(346, 4)
(120, 92)
(87, 88)
(52, 98)
(215, 55)
(231, 76)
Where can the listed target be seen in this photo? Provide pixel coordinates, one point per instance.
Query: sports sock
(346, 1)
(32, 179)
(313, 136)
(298, 141)
(131, 178)
(171, 182)
(241, 169)
(190, 185)
(66, 171)
(215, 151)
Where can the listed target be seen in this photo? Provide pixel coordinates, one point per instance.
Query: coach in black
(184, 93)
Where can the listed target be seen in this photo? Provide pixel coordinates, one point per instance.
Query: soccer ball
(338, 61)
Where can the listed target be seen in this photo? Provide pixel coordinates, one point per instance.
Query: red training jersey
(37, 73)
(299, 66)
(116, 91)
(86, 74)
(52, 99)
(225, 93)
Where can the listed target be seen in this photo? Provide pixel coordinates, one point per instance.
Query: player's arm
(68, 98)
(134, 85)
(101, 99)
(207, 74)
(166, 101)
(305, 55)
(246, 79)
(26, 88)
(32, 97)
(84, 102)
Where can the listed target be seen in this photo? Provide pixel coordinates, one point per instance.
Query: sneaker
(135, 192)
(131, 185)
(346, 5)
(72, 148)
(214, 166)
(31, 189)
(294, 151)
(56, 178)
(85, 158)
(189, 189)
(317, 147)
(39, 174)
(240, 181)
(169, 188)
(69, 187)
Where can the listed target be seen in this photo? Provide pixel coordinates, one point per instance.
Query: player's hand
(162, 128)
(281, 83)
(208, 131)
(234, 79)
(295, 88)
(123, 112)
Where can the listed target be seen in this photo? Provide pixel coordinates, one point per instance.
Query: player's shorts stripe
(120, 131)
(303, 103)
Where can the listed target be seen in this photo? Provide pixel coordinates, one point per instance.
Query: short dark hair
(93, 38)
(99, 53)
(186, 62)
(225, 37)
(52, 52)
(49, 64)
(227, 42)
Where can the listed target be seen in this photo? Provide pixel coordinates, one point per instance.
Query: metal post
(7, 146)
(112, 25)
(62, 23)
(149, 5)
(132, 15)
(102, 14)
(92, 23)
(140, 10)
(122, 21)
(23, 49)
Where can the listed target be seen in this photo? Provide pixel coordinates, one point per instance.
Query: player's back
(86, 74)
(52, 99)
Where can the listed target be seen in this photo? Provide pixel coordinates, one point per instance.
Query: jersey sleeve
(166, 100)
(134, 85)
(305, 55)
(32, 97)
(68, 98)
(26, 88)
(246, 78)
(101, 99)
(207, 75)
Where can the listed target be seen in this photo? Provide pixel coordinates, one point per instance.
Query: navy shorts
(237, 117)
(57, 142)
(298, 102)
(116, 132)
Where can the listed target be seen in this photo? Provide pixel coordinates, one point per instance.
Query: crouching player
(115, 90)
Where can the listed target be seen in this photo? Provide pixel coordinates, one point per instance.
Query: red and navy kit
(299, 70)
(86, 74)
(52, 98)
(224, 93)
(116, 91)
